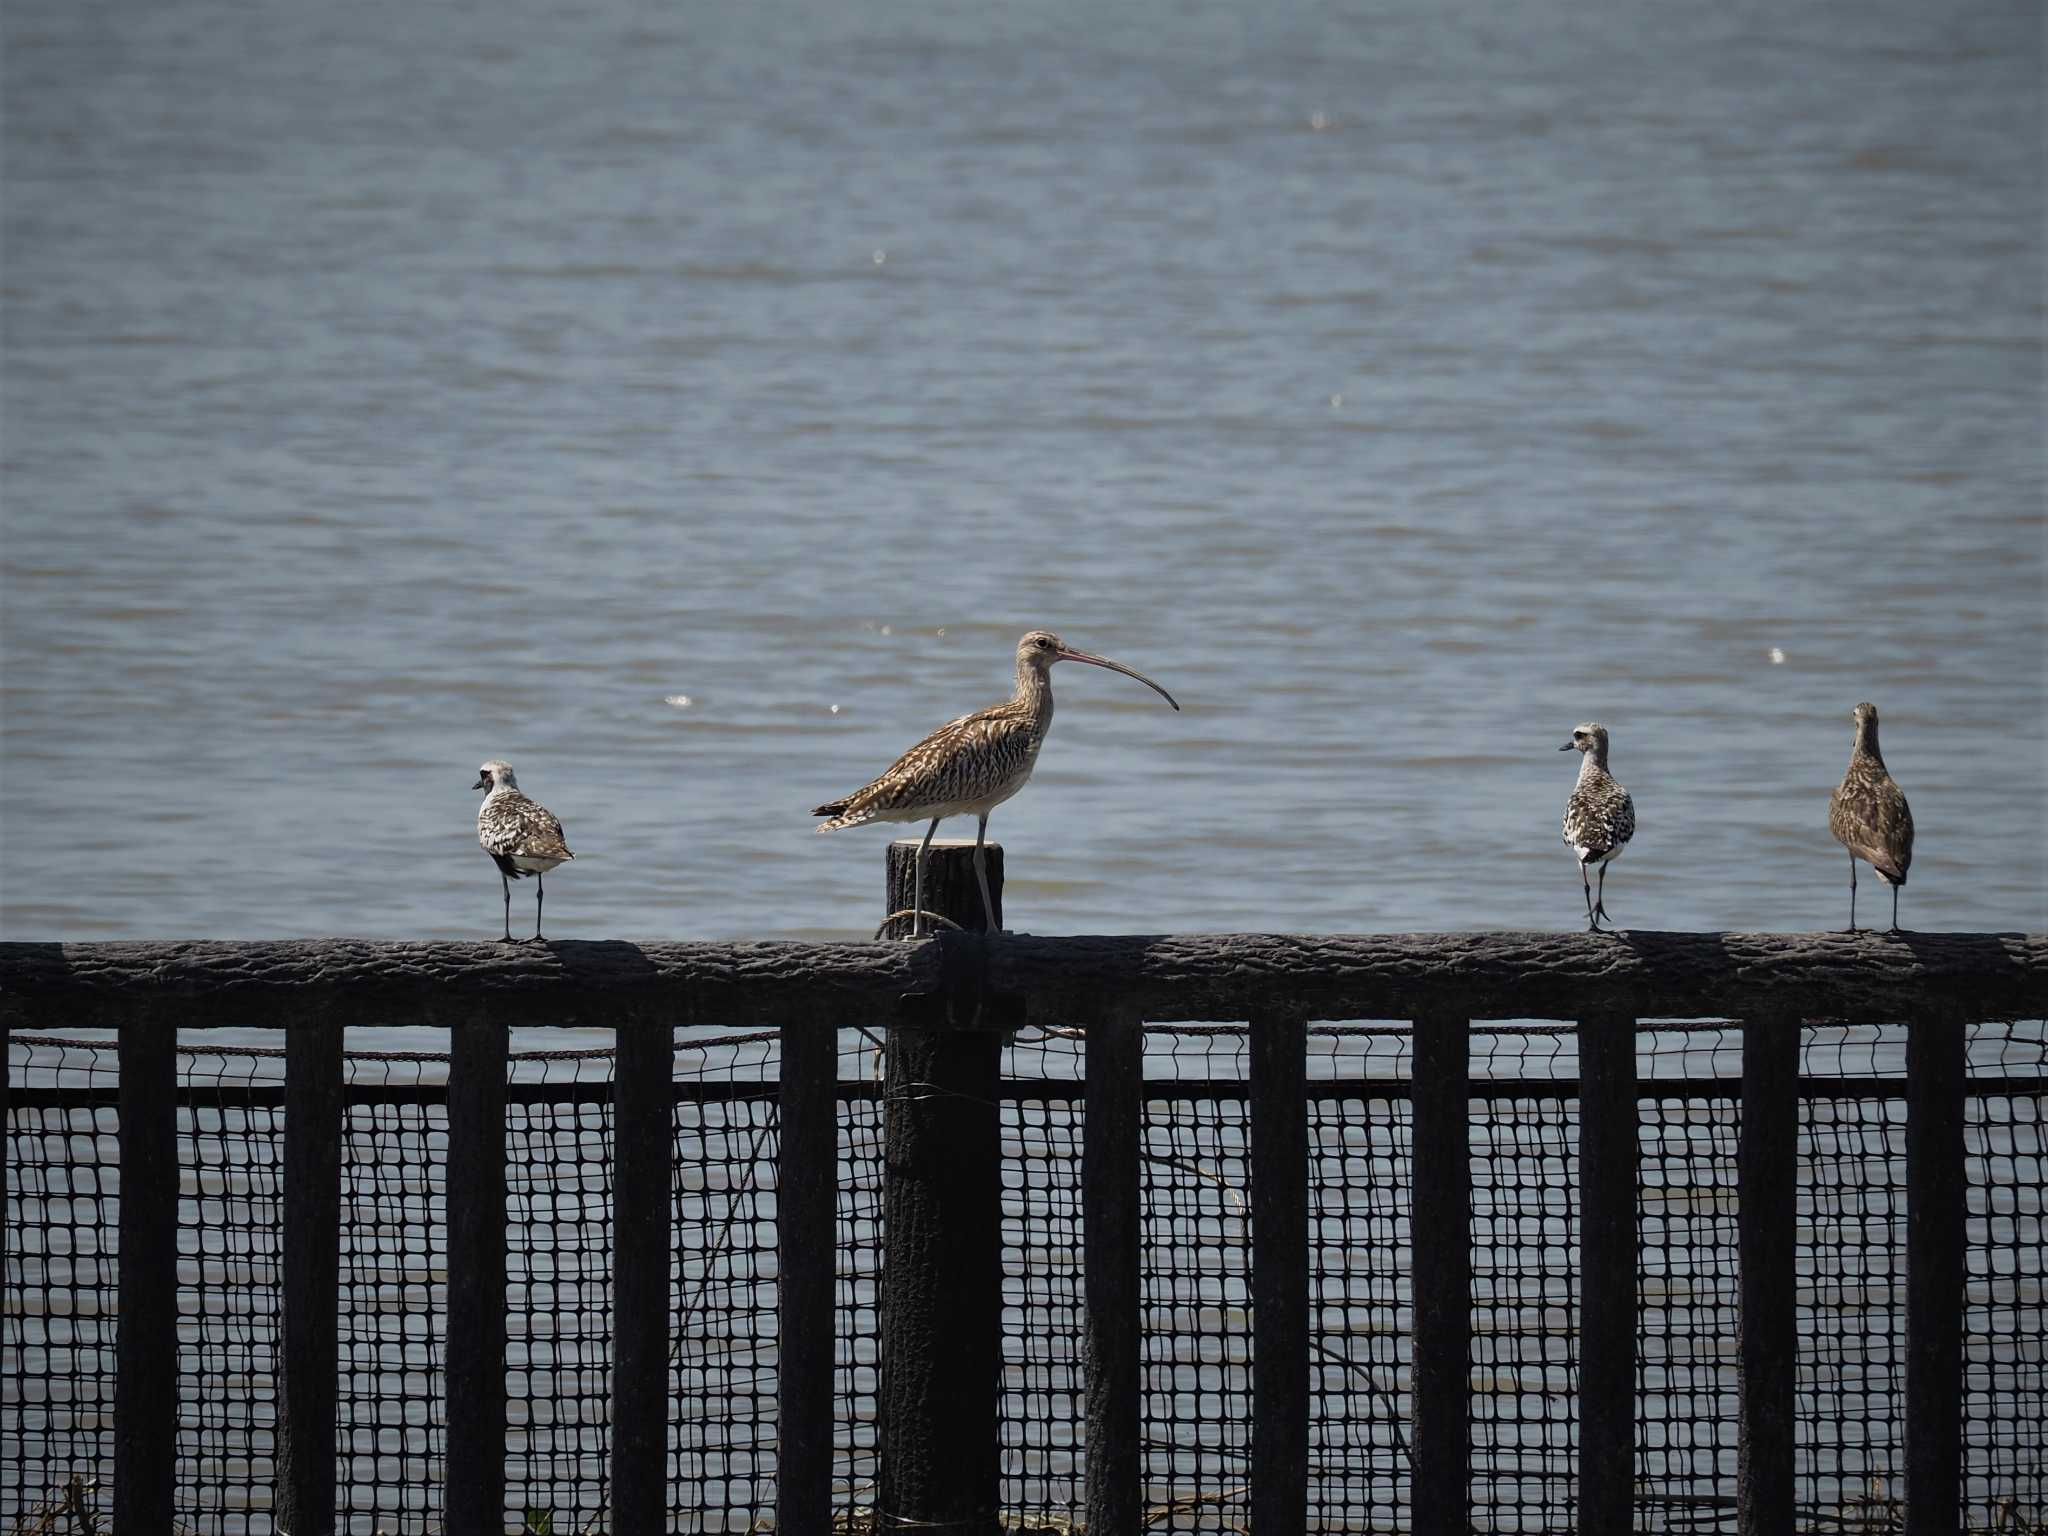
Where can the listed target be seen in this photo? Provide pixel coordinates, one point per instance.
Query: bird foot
(915, 936)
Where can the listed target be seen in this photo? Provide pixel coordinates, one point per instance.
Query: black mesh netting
(57, 1334)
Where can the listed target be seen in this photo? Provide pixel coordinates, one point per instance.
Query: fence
(1310, 1276)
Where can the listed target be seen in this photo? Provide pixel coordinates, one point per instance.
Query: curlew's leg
(505, 881)
(917, 883)
(1852, 893)
(988, 907)
(1895, 909)
(540, 896)
(1600, 896)
(1591, 921)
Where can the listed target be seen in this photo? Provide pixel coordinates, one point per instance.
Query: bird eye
(1044, 643)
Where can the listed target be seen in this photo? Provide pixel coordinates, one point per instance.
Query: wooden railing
(947, 1005)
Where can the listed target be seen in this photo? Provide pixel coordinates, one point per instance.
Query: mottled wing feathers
(1599, 818)
(510, 826)
(977, 759)
(1869, 816)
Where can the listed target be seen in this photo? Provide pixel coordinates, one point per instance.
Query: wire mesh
(63, 1185)
(57, 1331)
(229, 1144)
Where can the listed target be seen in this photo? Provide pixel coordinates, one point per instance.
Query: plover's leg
(506, 881)
(1895, 909)
(988, 907)
(1852, 893)
(540, 896)
(1587, 886)
(1600, 896)
(917, 883)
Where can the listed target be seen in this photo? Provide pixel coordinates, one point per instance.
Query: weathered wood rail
(947, 1003)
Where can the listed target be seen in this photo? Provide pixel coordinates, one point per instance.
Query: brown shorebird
(1869, 815)
(971, 765)
(522, 837)
(1599, 818)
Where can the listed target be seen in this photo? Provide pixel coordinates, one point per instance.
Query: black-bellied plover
(971, 765)
(521, 835)
(1869, 815)
(1599, 818)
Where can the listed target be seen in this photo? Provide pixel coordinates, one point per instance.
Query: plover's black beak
(483, 781)
(1567, 746)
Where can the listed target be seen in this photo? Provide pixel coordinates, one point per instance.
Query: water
(389, 387)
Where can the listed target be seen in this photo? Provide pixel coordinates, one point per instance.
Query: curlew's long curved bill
(1117, 666)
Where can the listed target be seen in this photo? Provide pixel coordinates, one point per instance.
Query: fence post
(1440, 1224)
(475, 1371)
(1279, 1176)
(1936, 1194)
(1112, 1141)
(1608, 1149)
(6, 1156)
(643, 1117)
(806, 1199)
(1767, 1238)
(146, 1333)
(942, 1203)
(303, 1480)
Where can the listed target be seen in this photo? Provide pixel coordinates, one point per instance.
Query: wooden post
(806, 1199)
(1112, 1227)
(1767, 1235)
(474, 1500)
(6, 1158)
(146, 1333)
(303, 1479)
(1440, 1222)
(941, 1288)
(1279, 1176)
(1937, 1192)
(643, 1117)
(1608, 1150)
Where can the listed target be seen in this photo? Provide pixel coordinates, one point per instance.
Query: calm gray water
(390, 386)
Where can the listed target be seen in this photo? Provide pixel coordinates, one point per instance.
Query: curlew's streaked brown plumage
(1599, 818)
(969, 766)
(521, 835)
(1869, 815)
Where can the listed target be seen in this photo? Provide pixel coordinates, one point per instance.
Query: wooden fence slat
(146, 1332)
(308, 1325)
(1279, 1180)
(806, 1200)
(1608, 1151)
(941, 1284)
(6, 1157)
(1937, 1192)
(474, 1376)
(1440, 1222)
(1165, 978)
(1112, 1140)
(1767, 1240)
(643, 1116)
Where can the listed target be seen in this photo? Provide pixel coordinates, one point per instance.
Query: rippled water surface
(388, 387)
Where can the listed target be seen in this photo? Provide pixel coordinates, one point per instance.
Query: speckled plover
(1869, 815)
(521, 835)
(1599, 818)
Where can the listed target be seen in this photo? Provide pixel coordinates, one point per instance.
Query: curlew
(1869, 816)
(971, 765)
(521, 835)
(1599, 818)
